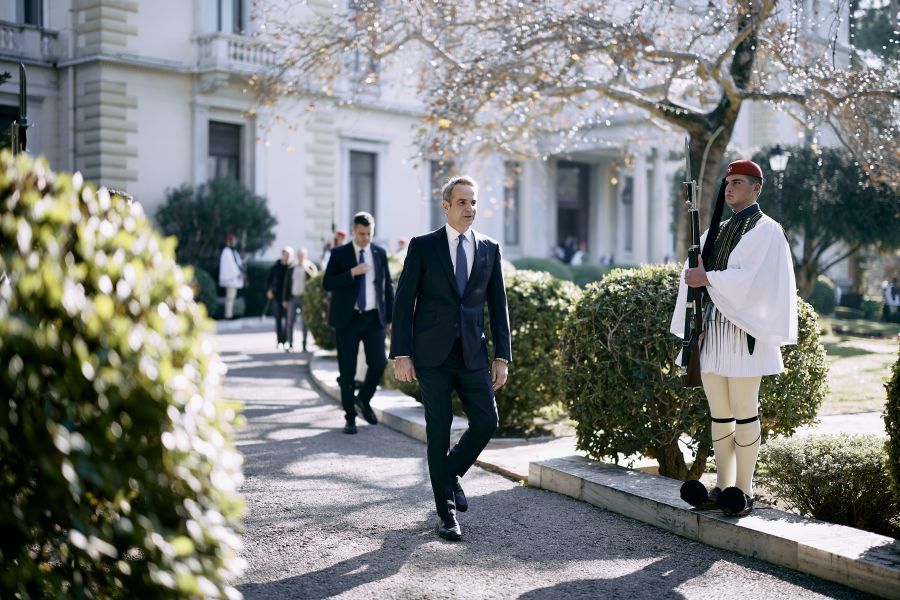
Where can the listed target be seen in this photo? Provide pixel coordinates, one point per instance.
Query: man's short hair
(447, 190)
(363, 218)
(754, 180)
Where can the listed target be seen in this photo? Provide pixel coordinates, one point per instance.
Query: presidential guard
(746, 276)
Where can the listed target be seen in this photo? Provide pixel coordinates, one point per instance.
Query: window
(363, 69)
(224, 151)
(230, 16)
(30, 12)
(512, 190)
(362, 181)
(8, 114)
(441, 171)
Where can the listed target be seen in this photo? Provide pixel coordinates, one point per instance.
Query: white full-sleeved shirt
(758, 294)
(370, 276)
(469, 247)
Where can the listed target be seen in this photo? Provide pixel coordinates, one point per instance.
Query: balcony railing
(223, 51)
(27, 41)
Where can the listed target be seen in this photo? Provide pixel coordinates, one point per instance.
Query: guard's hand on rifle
(696, 277)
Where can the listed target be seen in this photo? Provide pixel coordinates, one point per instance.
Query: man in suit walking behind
(362, 299)
(438, 339)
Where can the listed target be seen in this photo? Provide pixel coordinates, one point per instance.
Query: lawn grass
(858, 367)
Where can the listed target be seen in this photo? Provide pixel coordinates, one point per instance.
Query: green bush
(255, 292)
(836, 478)
(624, 388)
(892, 424)
(314, 313)
(538, 306)
(201, 217)
(548, 265)
(206, 292)
(118, 478)
(823, 296)
(872, 308)
(587, 273)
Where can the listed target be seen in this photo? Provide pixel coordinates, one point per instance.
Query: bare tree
(510, 74)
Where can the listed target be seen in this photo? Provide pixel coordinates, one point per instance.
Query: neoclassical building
(146, 95)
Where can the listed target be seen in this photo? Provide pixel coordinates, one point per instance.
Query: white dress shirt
(469, 247)
(370, 276)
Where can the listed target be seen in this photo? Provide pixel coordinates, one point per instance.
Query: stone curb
(851, 557)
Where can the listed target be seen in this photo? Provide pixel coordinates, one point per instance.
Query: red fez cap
(341, 233)
(230, 238)
(744, 167)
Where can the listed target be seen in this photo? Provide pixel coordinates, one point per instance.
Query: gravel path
(332, 515)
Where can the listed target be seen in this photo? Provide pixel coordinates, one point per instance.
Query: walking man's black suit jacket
(429, 313)
(344, 287)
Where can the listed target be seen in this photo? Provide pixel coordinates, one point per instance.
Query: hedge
(118, 477)
(836, 478)
(206, 290)
(892, 425)
(556, 268)
(624, 388)
(538, 305)
(314, 313)
(822, 297)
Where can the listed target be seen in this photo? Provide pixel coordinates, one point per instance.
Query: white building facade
(146, 95)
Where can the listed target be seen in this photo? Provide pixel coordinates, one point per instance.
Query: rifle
(693, 319)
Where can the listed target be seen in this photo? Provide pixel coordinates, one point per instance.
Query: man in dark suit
(362, 299)
(438, 339)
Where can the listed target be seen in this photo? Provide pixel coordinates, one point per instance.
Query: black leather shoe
(350, 426)
(449, 529)
(459, 496)
(367, 413)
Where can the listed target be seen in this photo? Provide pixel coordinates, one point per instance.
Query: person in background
(275, 284)
(232, 273)
(297, 277)
(340, 236)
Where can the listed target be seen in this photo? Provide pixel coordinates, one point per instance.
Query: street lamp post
(778, 159)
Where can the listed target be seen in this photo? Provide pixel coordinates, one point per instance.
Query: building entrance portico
(572, 205)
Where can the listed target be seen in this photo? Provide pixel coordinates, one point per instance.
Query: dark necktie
(361, 297)
(462, 270)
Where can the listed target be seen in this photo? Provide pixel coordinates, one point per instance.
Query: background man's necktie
(361, 297)
(462, 270)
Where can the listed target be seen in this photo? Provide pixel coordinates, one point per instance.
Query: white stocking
(716, 388)
(744, 395)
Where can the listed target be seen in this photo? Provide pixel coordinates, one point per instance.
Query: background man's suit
(443, 332)
(351, 325)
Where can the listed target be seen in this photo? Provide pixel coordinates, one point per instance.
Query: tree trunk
(806, 274)
(671, 460)
(699, 465)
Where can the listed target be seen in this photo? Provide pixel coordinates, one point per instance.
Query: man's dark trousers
(477, 396)
(365, 327)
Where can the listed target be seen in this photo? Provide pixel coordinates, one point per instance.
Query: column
(639, 215)
(200, 149)
(660, 212)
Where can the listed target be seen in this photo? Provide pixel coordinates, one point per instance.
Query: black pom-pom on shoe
(734, 502)
(694, 493)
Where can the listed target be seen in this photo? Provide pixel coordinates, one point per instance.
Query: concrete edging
(851, 557)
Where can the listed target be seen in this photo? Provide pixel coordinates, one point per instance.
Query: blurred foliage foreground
(118, 477)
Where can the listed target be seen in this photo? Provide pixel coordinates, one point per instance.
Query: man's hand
(284, 304)
(270, 295)
(360, 269)
(696, 277)
(404, 369)
(499, 374)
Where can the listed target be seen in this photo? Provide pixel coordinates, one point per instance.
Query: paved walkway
(331, 515)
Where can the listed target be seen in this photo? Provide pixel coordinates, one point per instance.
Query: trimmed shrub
(547, 265)
(587, 273)
(872, 308)
(201, 218)
(118, 477)
(206, 292)
(836, 478)
(538, 306)
(624, 388)
(314, 313)
(892, 424)
(255, 291)
(822, 297)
